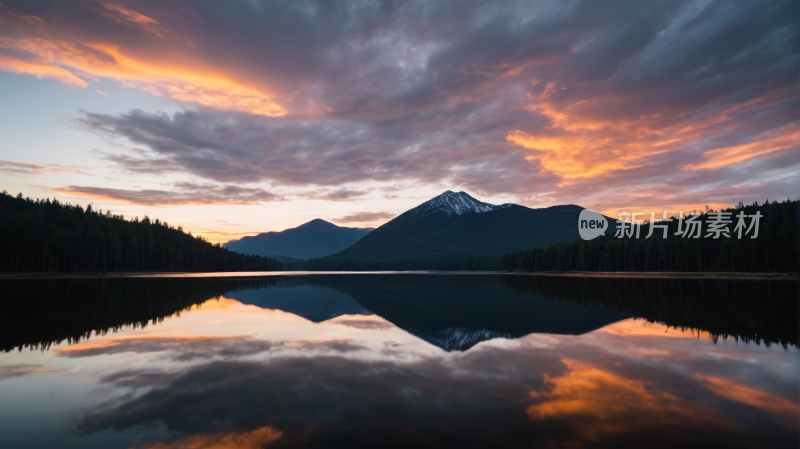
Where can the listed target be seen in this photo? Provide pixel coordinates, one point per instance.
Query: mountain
(457, 312)
(317, 238)
(456, 223)
(452, 312)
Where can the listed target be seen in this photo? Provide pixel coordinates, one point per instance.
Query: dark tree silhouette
(772, 251)
(50, 236)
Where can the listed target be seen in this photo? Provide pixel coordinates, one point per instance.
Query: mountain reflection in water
(397, 360)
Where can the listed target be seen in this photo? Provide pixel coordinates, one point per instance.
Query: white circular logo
(591, 224)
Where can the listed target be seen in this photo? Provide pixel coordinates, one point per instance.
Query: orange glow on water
(641, 328)
(585, 390)
(755, 398)
(600, 403)
(155, 338)
(256, 439)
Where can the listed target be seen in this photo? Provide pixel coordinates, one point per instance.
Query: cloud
(509, 98)
(245, 148)
(59, 54)
(127, 16)
(23, 167)
(342, 194)
(366, 217)
(184, 193)
(20, 167)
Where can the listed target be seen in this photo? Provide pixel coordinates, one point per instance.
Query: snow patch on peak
(454, 203)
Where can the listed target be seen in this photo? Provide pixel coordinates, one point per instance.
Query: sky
(237, 117)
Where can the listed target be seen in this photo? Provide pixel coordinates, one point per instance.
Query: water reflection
(301, 297)
(398, 361)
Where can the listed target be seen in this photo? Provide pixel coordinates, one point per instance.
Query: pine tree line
(50, 236)
(760, 311)
(772, 251)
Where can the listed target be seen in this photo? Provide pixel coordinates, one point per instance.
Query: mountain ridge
(315, 238)
(455, 223)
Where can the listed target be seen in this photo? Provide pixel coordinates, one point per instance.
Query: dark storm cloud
(503, 97)
(244, 148)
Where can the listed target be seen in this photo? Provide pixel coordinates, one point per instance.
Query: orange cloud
(256, 439)
(576, 146)
(66, 61)
(585, 155)
(721, 157)
(9, 64)
(130, 17)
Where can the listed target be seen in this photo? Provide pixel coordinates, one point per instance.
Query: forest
(773, 250)
(51, 236)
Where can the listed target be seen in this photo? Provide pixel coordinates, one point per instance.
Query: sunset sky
(238, 117)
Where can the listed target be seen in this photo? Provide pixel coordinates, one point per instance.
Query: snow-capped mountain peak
(454, 203)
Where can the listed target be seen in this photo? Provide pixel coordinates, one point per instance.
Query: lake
(397, 360)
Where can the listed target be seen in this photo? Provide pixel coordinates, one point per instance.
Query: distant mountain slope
(455, 223)
(317, 238)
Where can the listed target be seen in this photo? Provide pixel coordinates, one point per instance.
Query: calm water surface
(397, 360)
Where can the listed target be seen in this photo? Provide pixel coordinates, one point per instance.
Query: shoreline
(249, 274)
